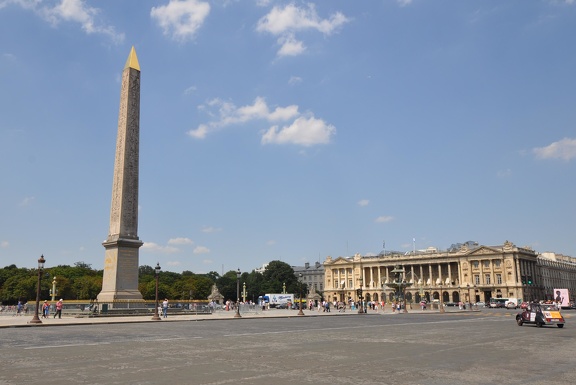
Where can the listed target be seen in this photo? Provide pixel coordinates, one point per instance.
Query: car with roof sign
(540, 315)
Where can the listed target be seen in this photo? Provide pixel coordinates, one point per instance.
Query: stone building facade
(470, 273)
(312, 275)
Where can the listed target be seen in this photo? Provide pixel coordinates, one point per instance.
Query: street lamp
(53, 291)
(468, 297)
(441, 303)
(156, 273)
(300, 286)
(244, 292)
(238, 274)
(35, 319)
(359, 293)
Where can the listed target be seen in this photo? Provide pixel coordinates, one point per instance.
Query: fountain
(399, 285)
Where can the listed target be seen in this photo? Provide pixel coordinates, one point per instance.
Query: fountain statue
(399, 285)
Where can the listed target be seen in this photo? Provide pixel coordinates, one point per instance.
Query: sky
(289, 130)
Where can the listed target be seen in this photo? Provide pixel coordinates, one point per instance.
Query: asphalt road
(458, 348)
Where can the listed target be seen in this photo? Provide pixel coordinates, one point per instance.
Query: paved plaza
(278, 347)
(11, 320)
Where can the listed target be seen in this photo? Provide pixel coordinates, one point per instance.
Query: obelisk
(120, 280)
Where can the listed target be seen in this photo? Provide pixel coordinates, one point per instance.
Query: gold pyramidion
(132, 61)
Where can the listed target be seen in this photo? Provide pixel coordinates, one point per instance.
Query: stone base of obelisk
(120, 280)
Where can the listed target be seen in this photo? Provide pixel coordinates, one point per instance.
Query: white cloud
(180, 241)
(201, 250)
(190, 90)
(404, 3)
(504, 173)
(564, 149)
(286, 21)
(271, 242)
(27, 201)
(173, 263)
(75, 11)
(303, 131)
(294, 80)
(181, 19)
(210, 229)
(363, 202)
(383, 219)
(290, 46)
(207, 261)
(200, 132)
(292, 18)
(154, 247)
(4, 244)
(9, 57)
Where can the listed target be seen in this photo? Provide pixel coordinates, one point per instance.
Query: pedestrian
(59, 306)
(165, 308)
(19, 308)
(45, 309)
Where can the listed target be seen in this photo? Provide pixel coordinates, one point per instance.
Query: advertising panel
(561, 295)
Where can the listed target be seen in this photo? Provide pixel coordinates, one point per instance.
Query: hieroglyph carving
(124, 208)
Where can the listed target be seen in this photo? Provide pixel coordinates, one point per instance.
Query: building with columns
(468, 273)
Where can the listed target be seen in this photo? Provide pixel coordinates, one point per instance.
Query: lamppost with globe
(300, 286)
(156, 273)
(360, 298)
(35, 319)
(441, 300)
(238, 275)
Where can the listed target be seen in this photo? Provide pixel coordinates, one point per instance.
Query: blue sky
(289, 130)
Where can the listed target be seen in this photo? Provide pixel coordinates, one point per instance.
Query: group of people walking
(46, 309)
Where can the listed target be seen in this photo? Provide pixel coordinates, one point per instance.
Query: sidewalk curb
(177, 318)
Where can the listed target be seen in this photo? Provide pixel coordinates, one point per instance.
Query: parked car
(511, 305)
(540, 315)
(480, 304)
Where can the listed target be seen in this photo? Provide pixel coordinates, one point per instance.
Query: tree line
(82, 282)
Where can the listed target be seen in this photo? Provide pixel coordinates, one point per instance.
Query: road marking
(108, 343)
(65, 346)
(363, 327)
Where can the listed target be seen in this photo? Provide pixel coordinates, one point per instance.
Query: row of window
(486, 263)
(487, 279)
(312, 277)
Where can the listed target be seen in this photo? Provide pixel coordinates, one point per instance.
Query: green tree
(254, 282)
(213, 276)
(145, 270)
(202, 287)
(276, 274)
(227, 285)
(86, 287)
